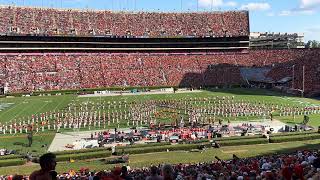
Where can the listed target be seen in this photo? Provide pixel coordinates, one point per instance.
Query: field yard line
(41, 107)
(24, 110)
(11, 109)
(59, 103)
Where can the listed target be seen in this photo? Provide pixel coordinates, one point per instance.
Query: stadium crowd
(27, 72)
(36, 21)
(299, 165)
(36, 72)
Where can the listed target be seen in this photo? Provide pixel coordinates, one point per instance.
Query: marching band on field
(151, 113)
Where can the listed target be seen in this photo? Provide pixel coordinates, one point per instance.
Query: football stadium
(104, 94)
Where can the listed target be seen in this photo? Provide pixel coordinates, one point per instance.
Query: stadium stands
(36, 21)
(309, 59)
(297, 165)
(59, 71)
(55, 70)
(34, 72)
(294, 165)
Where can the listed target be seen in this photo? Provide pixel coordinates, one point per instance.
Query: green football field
(19, 107)
(19, 143)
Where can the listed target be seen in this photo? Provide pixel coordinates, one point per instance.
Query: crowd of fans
(22, 20)
(34, 72)
(298, 165)
(51, 72)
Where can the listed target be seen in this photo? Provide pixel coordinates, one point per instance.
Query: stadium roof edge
(116, 11)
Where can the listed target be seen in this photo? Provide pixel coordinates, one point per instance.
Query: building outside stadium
(259, 40)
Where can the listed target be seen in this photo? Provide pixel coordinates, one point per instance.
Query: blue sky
(265, 15)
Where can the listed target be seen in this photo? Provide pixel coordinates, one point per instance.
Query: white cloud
(231, 3)
(216, 3)
(306, 7)
(208, 3)
(312, 33)
(256, 6)
(285, 13)
(313, 29)
(270, 14)
(306, 12)
(309, 4)
(295, 12)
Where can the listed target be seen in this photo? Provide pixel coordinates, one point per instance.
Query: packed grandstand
(56, 71)
(44, 50)
(53, 67)
(296, 165)
(51, 22)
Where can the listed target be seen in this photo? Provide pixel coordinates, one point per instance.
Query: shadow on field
(289, 150)
(300, 148)
(317, 97)
(20, 144)
(249, 91)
